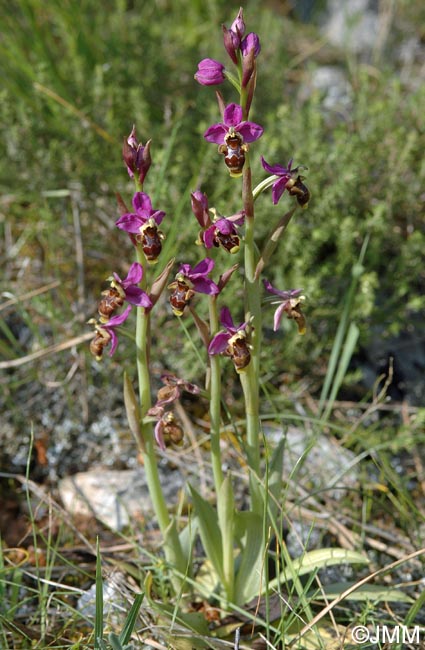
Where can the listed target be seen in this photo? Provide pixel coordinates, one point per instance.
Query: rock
(115, 497)
(317, 463)
(352, 25)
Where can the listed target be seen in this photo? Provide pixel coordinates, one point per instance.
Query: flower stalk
(250, 380)
(172, 546)
(215, 401)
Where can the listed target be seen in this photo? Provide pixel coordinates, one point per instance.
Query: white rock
(115, 497)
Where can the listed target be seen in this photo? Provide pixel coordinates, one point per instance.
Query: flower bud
(210, 72)
(199, 202)
(136, 156)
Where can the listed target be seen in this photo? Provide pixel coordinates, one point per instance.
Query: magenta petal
(232, 115)
(268, 286)
(238, 25)
(250, 131)
(135, 274)
(274, 169)
(185, 269)
(159, 437)
(142, 201)
(215, 133)
(218, 343)
(130, 223)
(225, 226)
(237, 218)
(157, 216)
(138, 297)
(118, 319)
(251, 42)
(210, 72)
(227, 320)
(114, 342)
(278, 316)
(202, 268)
(205, 285)
(278, 189)
(208, 237)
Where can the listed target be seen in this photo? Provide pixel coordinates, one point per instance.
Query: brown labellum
(233, 150)
(297, 188)
(172, 431)
(151, 240)
(113, 300)
(100, 341)
(229, 242)
(238, 350)
(180, 297)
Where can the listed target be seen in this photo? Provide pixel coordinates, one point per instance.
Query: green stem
(250, 378)
(172, 546)
(215, 402)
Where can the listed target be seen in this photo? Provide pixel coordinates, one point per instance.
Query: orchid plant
(234, 541)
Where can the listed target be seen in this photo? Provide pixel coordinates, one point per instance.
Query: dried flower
(167, 430)
(172, 388)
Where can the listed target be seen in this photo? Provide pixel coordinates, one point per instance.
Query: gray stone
(352, 25)
(317, 463)
(115, 497)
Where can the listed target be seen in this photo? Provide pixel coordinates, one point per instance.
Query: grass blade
(98, 621)
(131, 619)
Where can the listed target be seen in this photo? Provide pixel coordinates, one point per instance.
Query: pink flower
(222, 232)
(231, 341)
(105, 334)
(133, 222)
(288, 304)
(132, 293)
(233, 123)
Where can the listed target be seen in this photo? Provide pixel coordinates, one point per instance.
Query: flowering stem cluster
(155, 425)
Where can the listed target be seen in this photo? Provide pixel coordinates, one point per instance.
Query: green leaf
(226, 521)
(131, 619)
(318, 559)
(115, 641)
(324, 557)
(187, 538)
(209, 531)
(248, 577)
(373, 593)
